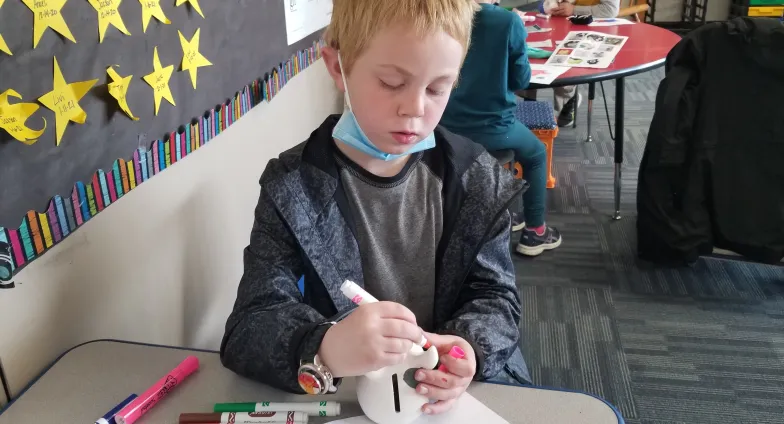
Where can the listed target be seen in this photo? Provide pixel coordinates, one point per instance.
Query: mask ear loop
(345, 85)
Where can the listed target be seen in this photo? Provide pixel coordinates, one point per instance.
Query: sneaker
(566, 117)
(517, 222)
(532, 244)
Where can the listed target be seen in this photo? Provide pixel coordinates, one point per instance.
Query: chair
(538, 117)
(636, 8)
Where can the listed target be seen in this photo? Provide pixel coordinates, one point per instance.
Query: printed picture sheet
(544, 74)
(586, 49)
(533, 29)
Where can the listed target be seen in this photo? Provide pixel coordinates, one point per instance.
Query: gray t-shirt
(399, 222)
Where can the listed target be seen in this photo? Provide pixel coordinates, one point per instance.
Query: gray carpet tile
(570, 340)
(703, 362)
(696, 344)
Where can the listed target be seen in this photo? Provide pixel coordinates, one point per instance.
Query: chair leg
(591, 96)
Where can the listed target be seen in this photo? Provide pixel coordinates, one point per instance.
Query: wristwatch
(313, 376)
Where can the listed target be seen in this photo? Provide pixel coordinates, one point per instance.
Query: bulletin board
(186, 69)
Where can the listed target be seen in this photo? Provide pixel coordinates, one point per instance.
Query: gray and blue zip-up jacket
(304, 227)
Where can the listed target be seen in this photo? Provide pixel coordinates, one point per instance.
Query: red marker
(262, 417)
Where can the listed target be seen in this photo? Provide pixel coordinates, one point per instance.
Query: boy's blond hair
(355, 22)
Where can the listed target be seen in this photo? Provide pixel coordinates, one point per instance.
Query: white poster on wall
(304, 17)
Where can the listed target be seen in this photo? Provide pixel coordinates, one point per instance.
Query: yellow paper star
(118, 88)
(152, 8)
(13, 118)
(159, 81)
(63, 100)
(46, 14)
(194, 4)
(192, 60)
(3, 46)
(108, 14)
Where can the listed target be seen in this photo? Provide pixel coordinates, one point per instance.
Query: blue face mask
(348, 131)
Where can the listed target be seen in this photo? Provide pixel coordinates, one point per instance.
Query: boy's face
(400, 84)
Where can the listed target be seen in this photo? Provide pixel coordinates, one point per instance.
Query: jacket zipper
(487, 231)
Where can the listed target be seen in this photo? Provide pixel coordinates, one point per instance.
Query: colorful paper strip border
(39, 232)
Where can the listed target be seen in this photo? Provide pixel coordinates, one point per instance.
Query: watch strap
(314, 377)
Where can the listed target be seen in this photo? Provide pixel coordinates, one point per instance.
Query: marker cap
(109, 417)
(456, 352)
(235, 407)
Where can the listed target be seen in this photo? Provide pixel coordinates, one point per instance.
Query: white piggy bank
(384, 395)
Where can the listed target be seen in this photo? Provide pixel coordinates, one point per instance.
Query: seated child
(566, 98)
(482, 108)
(380, 196)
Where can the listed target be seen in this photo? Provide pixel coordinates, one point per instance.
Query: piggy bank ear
(409, 377)
(427, 359)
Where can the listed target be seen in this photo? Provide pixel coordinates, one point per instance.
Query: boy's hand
(563, 9)
(446, 387)
(374, 336)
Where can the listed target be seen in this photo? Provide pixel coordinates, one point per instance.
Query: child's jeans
(530, 152)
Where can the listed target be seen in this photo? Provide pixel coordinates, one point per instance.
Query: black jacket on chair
(712, 174)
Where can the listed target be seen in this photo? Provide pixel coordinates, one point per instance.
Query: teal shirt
(483, 102)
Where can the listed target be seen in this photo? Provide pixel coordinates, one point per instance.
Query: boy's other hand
(446, 387)
(374, 336)
(563, 9)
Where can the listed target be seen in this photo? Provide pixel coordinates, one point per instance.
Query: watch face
(309, 383)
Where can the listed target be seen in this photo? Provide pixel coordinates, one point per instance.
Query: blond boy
(382, 196)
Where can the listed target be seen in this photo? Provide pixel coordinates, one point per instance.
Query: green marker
(315, 409)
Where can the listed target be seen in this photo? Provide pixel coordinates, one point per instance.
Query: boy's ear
(330, 56)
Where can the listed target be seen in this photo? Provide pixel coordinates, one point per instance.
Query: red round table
(646, 49)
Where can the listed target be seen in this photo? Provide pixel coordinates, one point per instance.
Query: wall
(161, 265)
(671, 10)
(666, 10)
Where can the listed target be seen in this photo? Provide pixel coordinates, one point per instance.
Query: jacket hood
(763, 39)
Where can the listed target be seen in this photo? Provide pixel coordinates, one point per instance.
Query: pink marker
(158, 391)
(357, 294)
(456, 353)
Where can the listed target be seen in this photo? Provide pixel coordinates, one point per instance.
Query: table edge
(602, 76)
(61, 356)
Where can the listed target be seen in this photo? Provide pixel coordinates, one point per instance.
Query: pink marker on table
(158, 391)
(456, 353)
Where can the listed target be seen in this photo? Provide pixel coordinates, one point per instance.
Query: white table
(89, 380)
